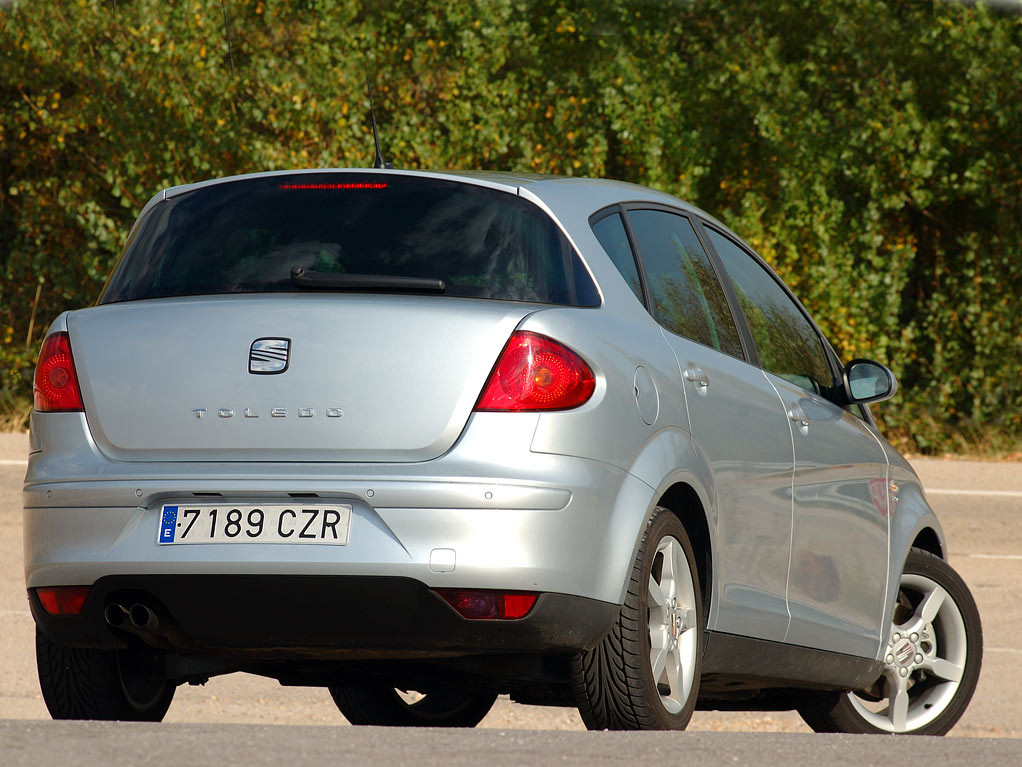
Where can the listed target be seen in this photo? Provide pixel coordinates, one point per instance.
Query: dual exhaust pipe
(157, 629)
(139, 617)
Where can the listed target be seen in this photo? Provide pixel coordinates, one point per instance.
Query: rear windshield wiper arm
(310, 280)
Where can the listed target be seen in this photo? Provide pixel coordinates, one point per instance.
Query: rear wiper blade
(310, 280)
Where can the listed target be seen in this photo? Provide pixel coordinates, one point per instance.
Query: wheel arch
(927, 539)
(912, 524)
(682, 500)
(682, 481)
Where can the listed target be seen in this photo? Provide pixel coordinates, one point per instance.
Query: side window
(610, 231)
(788, 344)
(688, 299)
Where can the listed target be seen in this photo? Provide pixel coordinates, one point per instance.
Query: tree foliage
(869, 150)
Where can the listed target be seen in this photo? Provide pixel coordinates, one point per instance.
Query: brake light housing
(56, 383)
(535, 372)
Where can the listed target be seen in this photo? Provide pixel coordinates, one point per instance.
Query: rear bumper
(514, 519)
(312, 616)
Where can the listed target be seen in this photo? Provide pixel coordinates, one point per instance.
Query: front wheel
(644, 675)
(380, 705)
(931, 661)
(82, 683)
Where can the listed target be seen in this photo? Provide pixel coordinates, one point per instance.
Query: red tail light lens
(56, 384)
(63, 600)
(537, 373)
(484, 604)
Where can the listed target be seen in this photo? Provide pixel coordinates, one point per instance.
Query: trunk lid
(368, 378)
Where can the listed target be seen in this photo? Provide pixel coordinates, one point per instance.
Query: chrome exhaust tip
(115, 614)
(143, 617)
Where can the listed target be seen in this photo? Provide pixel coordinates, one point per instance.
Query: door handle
(798, 415)
(696, 376)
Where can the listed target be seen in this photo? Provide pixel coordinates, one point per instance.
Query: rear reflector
(63, 600)
(484, 604)
(537, 373)
(56, 384)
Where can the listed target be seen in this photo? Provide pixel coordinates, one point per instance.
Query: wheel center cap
(903, 655)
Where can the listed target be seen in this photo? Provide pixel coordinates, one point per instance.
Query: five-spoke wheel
(672, 624)
(931, 660)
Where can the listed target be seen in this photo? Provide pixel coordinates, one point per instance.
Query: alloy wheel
(924, 659)
(672, 624)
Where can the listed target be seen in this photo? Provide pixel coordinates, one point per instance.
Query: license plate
(266, 523)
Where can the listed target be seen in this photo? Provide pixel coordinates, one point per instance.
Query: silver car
(470, 434)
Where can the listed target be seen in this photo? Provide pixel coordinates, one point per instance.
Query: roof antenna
(379, 162)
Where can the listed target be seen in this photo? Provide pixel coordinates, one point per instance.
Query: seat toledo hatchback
(475, 434)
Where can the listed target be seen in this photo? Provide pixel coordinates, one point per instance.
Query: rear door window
(688, 299)
(246, 236)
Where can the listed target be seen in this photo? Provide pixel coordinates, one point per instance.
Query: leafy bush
(868, 150)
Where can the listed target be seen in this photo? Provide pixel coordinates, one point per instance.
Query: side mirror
(868, 381)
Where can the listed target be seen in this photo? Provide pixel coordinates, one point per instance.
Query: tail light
(537, 373)
(56, 384)
(63, 600)
(485, 604)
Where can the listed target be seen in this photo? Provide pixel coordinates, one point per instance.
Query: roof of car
(556, 192)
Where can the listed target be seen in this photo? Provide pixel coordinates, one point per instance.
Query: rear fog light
(485, 604)
(63, 600)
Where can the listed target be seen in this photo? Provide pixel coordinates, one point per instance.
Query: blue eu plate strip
(168, 525)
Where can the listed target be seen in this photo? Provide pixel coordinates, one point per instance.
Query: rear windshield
(245, 236)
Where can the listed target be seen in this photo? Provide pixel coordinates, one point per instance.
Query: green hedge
(869, 150)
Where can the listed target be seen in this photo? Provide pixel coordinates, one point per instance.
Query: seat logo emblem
(269, 355)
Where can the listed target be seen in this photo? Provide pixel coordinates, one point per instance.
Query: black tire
(953, 638)
(613, 683)
(81, 683)
(383, 706)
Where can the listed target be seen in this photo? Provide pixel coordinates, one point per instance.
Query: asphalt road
(169, 745)
(979, 504)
